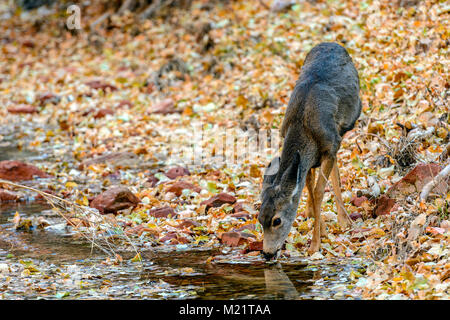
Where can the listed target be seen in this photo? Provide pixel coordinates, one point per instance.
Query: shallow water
(55, 263)
(69, 268)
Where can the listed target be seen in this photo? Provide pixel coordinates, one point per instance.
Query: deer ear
(291, 177)
(271, 172)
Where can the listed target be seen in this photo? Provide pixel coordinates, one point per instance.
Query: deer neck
(297, 140)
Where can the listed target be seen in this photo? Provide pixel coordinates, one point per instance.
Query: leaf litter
(135, 98)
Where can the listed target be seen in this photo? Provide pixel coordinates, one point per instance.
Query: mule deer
(323, 106)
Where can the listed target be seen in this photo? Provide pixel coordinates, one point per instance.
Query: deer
(323, 106)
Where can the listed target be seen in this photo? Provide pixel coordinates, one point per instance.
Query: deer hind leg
(310, 179)
(342, 216)
(319, 225)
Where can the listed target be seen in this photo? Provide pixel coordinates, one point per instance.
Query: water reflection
(278, 283)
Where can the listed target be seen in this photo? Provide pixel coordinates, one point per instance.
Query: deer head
(279, 201)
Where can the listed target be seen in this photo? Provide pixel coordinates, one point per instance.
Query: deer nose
(268, 255)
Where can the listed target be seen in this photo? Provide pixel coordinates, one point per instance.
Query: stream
(64, 266)
(56, 263)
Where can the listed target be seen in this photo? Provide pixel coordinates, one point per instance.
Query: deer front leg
(310, 178)
(342, 216)
(325, 170)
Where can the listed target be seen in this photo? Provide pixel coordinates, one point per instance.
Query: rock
(219, 200)
(255, 246)
(242, 206)
(97, 84)
(140, 229)
(125, 103)
(168, 236)
(179, 186)
(235, 239)
(358, 201)
(163, 212)
(174, 238)
(6, 196)
(103, 113)
(355, 215)
(281, 5)
(416, 179)
(41, 197)
(177, 172)
(251, 226)
(48, 97)
(22, 108)
(241, 215)
(166, 106)
(188, 223)
(412, 182)
(384, 206)
(18, 171)
(152, 180)
(115, 199)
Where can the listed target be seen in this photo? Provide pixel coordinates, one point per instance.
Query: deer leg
(342, 216)
(325, 170)
(310, 185)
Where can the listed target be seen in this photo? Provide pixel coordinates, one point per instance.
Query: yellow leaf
(71, 184)
(137, 258)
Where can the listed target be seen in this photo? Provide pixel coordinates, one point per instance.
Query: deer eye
(276, 222)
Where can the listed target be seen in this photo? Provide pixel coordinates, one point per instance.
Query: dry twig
(59, 203)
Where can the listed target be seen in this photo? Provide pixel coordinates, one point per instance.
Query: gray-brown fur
(323, 106)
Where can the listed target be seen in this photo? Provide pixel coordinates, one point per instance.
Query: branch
(99, 20)
(126, 5)
(150, 10)
(51, 199)
(433, 183)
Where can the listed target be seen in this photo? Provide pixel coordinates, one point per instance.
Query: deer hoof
(344, 221)
(314, 247)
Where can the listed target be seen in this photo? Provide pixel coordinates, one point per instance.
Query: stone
(358, 201)
(179, 186)
(251, 226)
(241, 215)
(140, 229)
(384, 206)
(218, 200)
(115, 199)
(355, 215)
(103, 113)
(97, 84)
(255, 246)
(416, 179)
(242, 206)
(19, 171)
(6, 196)
(127, 103)
(22, 108)
(168, 236)
(187, 223)
(282, 5)
(152, 180)
(163, 212)
(235, 239)
(177, 172)
(166, 106)
(48, 97)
